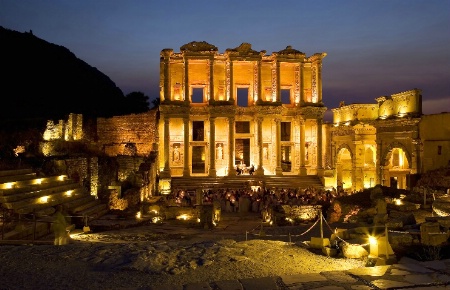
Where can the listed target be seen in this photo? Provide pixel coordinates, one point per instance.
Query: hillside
(42, 81)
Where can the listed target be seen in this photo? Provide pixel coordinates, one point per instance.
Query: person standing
(59, 227)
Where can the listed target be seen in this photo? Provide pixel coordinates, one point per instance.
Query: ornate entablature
(316, 57)
(364, 129)
(312, 112)
(174, 110)
(397, 125)
(404, 104)
(269, 110)
(222, 110)
(342, 131)
(354, 112)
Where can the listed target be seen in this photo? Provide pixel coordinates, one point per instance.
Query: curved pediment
(245, 49)
(198, 46)
(290, 51)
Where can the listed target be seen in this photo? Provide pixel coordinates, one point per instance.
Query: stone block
(353, 251)
(319, 243)
(329, 252)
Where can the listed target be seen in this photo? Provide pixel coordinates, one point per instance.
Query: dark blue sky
(374, 47)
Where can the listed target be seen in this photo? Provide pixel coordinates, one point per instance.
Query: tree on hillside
(136, 102)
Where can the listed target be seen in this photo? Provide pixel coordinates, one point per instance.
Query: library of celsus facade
(240, 109)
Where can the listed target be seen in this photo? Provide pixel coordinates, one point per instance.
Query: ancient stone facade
(377, 143)
(238, 109)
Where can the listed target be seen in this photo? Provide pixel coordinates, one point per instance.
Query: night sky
(374, 48)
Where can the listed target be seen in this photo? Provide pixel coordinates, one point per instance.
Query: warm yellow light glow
(398, 202)
(43, 199)
(198, 220)
(290, 220)
(138, 215)
(9, 185)
(373, 240)
(38, 181)
(69, 193)
(400, 157)
(183, 217)
(154, 211)
(61, 177)
(156, 219)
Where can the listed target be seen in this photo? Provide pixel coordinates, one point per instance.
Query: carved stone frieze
(342, 131)
(174, 110)
(311, 112)
(223, 110)
(268, 110)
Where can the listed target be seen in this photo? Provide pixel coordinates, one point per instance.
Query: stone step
(5, 181)
(38, 197)
(39, 207)
(14, 172)
(34, 187)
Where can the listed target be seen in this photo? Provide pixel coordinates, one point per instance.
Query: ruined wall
(435, 136)
(117, 134)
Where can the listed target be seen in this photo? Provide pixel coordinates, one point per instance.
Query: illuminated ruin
(240, 108)
(245, 109)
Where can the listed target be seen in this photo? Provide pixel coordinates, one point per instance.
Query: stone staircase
(28, 202)
(242, 181)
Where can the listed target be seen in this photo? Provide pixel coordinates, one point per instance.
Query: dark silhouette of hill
(42, 81)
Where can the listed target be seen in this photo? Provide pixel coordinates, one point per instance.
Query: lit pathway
(407, 274)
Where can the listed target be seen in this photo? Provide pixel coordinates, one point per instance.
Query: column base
(259, 171)
(303, 171)
(164, 174)
(212, 173)
(320, 171)
(186, 173)
(278, 171)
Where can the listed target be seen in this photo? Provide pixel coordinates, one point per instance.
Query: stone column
(166, 78)
(259, 83)
(211, 80)
(379, 163)
(319, 82)
(319, 148)
(278, 83)
(231, 171)
(278, 169)
(166, 145)
(186, 169)
(303, 170)
(260, 169)
(186, 81)
(212, 146)
(231, 84)
(302, 84)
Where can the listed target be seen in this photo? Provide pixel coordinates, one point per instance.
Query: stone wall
(435, 137)
(117, 134)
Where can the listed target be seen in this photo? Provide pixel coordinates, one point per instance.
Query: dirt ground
(171, 253)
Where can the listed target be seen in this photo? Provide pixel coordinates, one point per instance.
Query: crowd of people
(258, 199)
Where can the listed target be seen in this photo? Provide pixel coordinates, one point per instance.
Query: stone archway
(344, 167)
(396, 164)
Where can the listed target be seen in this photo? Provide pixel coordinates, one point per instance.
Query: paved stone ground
(407, 274)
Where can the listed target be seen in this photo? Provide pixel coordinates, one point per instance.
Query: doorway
(242, 152)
